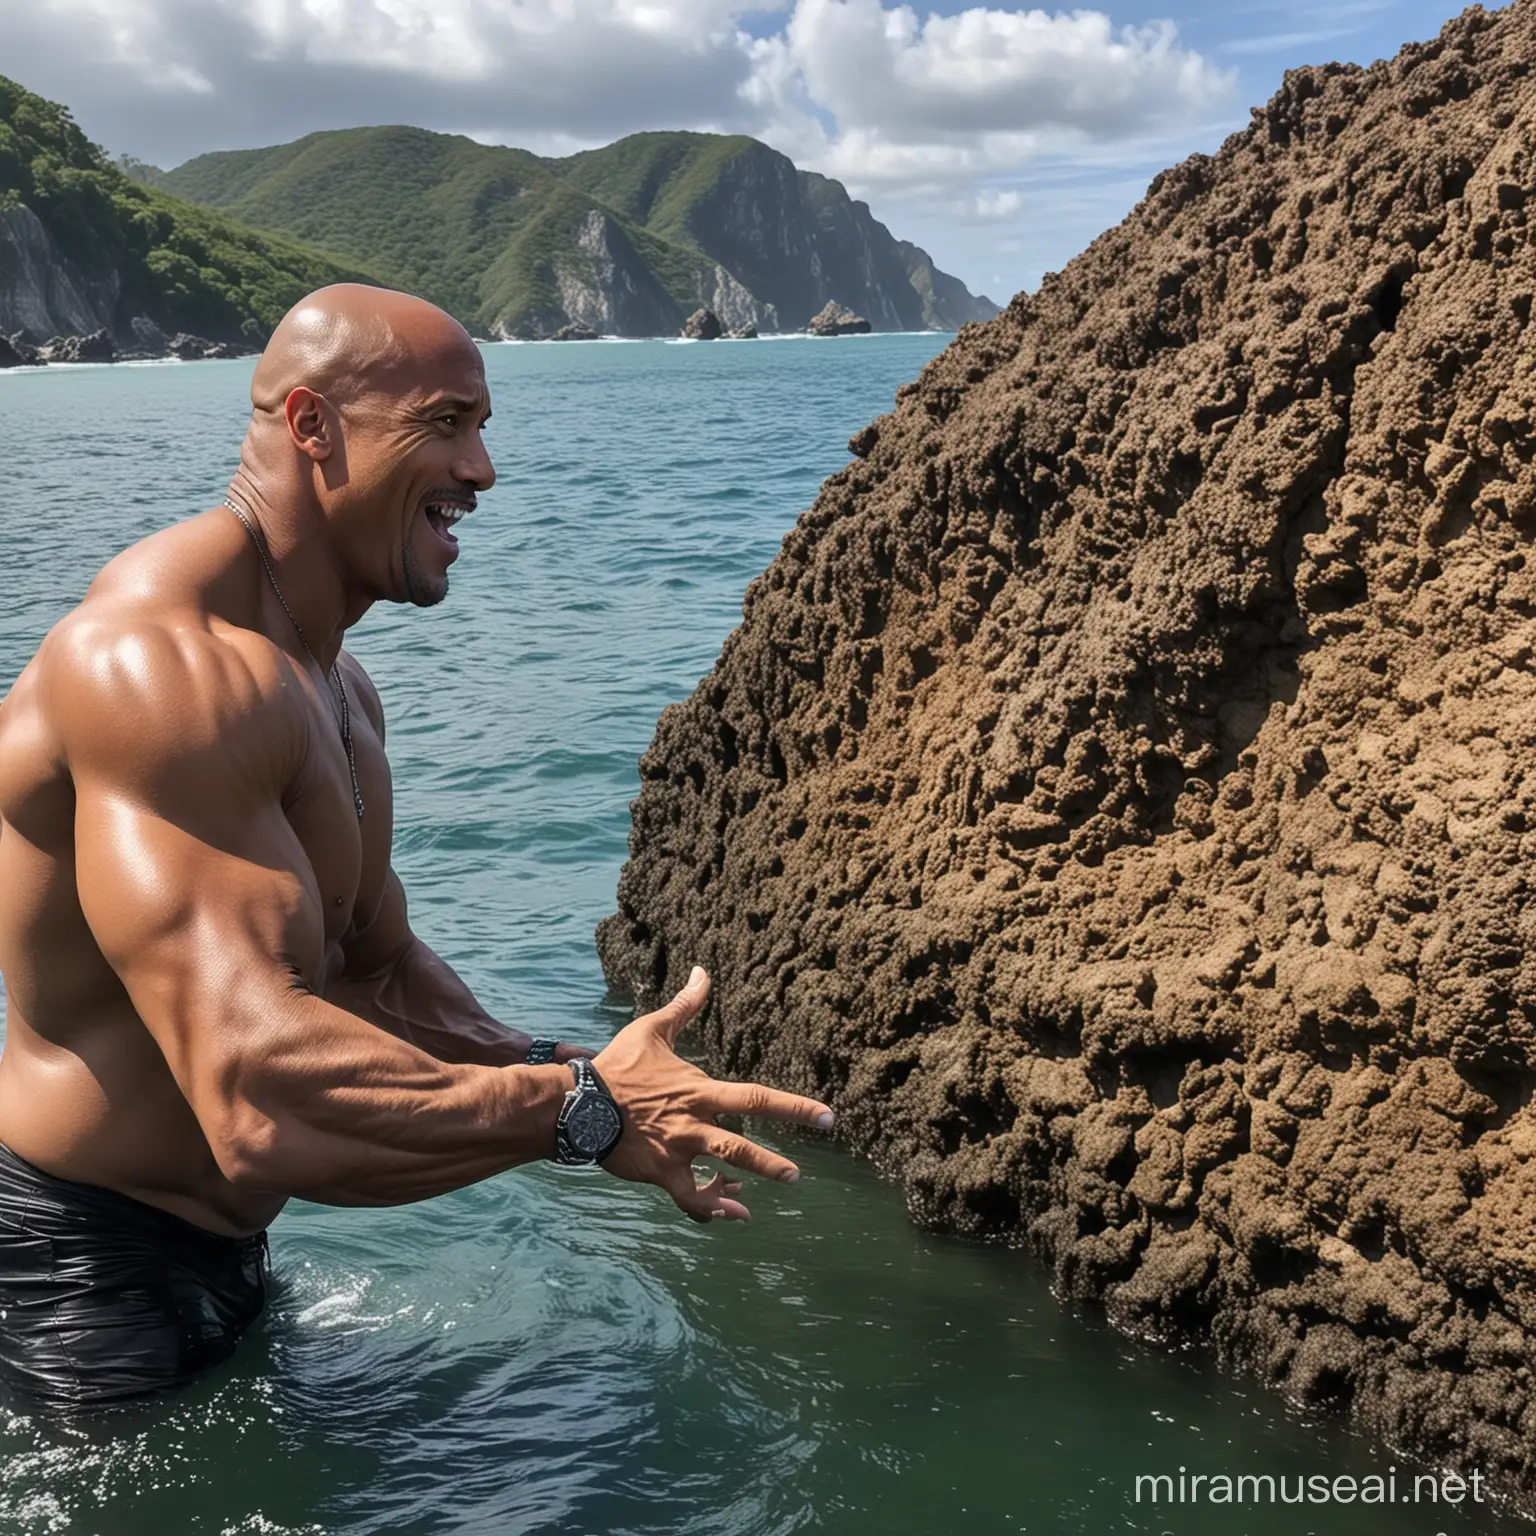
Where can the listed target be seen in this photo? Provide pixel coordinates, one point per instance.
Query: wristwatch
(589, 1125)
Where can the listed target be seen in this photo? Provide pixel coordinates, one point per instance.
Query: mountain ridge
(627, 239)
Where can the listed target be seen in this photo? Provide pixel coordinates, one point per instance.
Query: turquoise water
(555, 1351)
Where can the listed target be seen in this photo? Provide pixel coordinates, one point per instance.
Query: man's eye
(452, 418)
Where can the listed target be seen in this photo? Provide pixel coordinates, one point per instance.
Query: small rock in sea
(188, 348)
(575, 332)
(838, 320)
(703, 325)
(746, 333)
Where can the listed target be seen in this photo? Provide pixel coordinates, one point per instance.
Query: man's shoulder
(129, 681)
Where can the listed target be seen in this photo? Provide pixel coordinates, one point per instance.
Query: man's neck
(299, 566)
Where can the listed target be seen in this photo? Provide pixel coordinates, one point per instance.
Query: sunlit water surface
(559, 1352)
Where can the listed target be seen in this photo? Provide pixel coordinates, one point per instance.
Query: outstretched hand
(670, 1113)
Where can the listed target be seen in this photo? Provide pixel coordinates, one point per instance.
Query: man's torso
(85, 1092)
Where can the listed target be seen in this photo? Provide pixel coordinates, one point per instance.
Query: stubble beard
(420, 589)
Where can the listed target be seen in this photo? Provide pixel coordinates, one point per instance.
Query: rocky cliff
(606, 284)
(85, 249)
(1119, 798)
(42, 292)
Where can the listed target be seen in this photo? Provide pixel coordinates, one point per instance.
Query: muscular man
(215, 999)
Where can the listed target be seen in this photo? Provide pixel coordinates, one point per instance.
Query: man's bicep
(188, 873)
(158, 895)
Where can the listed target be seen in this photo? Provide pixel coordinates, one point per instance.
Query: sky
(1000, 138)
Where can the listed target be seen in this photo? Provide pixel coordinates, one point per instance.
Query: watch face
(592, 1125)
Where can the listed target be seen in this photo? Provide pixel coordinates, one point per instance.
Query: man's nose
(476, 468)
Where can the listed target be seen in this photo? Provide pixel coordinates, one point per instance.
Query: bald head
(350, 340)
(364, 446)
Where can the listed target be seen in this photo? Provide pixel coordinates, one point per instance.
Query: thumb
(686, 1006)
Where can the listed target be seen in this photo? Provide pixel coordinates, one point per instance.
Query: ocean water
(554, 1351)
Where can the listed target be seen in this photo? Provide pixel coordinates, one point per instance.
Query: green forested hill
(490, 233)
(82, 246)
(657, 179)
(628, 238)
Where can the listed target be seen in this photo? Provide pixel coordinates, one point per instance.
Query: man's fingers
(565, 1053)
(707, 1202)
(720, 1186)
(741, 1153)
(755, 1099)
(669, 1022)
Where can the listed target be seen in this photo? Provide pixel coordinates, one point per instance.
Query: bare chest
(348, 855)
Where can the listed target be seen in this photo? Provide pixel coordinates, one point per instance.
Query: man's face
(416, 461)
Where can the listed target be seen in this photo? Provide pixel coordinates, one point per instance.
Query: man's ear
(310, 423)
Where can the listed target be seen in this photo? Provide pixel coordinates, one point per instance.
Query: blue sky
(1001, 139)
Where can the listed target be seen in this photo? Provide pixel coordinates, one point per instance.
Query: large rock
(835, 319)
(188, 348)
(735, 305)
(1119, 798)
(703, 325)
(98, 347)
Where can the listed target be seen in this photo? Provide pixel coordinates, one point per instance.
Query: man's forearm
(331, 1110)
(423, 1000)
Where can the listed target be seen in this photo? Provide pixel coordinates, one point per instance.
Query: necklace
(346, 716)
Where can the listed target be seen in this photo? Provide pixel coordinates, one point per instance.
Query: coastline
(170, 359)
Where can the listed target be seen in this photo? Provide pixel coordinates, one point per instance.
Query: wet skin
(215, 1000)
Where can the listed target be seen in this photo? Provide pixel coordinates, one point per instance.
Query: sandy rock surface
(1120, 796)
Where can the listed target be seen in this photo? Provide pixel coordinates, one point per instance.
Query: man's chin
(421, 589)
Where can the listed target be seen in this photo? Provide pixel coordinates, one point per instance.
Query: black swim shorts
(104, 1298)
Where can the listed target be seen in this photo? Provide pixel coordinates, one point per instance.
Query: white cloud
(940, 112)
(478, 39)
(994, 71)
(887, 101)
(987, 207)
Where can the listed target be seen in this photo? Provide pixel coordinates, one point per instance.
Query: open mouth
(443, 514)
